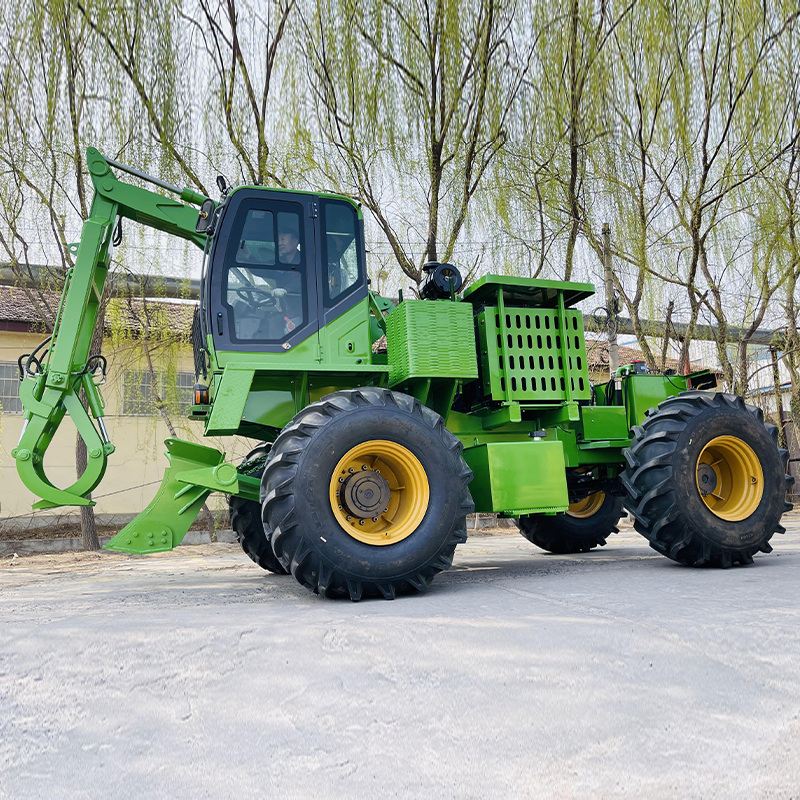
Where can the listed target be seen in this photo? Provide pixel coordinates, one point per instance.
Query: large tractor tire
(587, 524)
(366, 494)
(706, 480)
(245, 517)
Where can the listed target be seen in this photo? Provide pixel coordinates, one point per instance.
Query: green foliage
(499, 134)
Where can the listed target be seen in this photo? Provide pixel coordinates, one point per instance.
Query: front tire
(586, 525)
(706, 480)
(245, 517)
(366, 494)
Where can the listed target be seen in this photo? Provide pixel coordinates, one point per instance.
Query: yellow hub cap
(379, 492)
(587, 507)
(729, 478)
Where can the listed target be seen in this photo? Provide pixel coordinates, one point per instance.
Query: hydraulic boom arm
(51, 382)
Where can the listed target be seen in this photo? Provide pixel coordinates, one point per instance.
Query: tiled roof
(597, 357)
(16, 306)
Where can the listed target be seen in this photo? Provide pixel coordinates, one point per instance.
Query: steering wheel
(257, 296)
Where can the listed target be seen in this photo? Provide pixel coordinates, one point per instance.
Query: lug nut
(363, 466)
(341, 480)
(340, 508)
(361, 522)
(374, 519)
(348, 518)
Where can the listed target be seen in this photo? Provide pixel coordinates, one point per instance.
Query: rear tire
(716, 441)
(570, 533)
(318, 533)
(245, 517)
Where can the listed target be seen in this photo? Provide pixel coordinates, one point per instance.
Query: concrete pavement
(519, 674)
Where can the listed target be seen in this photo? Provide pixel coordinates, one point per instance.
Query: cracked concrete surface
(519, 674)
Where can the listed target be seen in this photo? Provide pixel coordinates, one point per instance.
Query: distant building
(138, 464)
(598, 360)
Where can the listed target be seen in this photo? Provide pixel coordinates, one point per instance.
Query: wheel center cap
(365, 494)
(706, 479)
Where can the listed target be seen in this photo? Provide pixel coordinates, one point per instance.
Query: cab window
(340, 254)
(264, 283)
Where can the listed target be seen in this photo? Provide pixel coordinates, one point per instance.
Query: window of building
(9, 389)
(137, 393)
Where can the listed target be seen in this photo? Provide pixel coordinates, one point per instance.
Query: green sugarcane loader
(371, 461)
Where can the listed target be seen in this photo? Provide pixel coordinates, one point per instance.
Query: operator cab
(282, 265)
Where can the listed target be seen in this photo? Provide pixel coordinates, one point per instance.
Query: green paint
(230, 397)
(526, 411)
(431, 340)
(55, 392)
(518, 477)
(604, 423)
(164, 523)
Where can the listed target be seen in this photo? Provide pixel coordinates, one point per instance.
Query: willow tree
(784, 191)
(719, 99)
(207, 79)
(638, 109)
(49, 90)
(143, 64)
(412, 102)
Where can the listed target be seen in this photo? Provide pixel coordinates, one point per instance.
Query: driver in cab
(287, 245)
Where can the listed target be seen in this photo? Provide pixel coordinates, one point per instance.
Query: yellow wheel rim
(587, 507)
(379, 492)
(729, 478)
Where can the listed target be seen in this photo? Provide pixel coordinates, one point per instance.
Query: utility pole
(611, 304)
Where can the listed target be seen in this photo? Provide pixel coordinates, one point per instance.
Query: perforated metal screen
(526, 356)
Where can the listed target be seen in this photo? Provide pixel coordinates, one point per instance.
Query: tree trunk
(776, 386)
(88, 522)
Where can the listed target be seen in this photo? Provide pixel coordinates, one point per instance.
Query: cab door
(262, 286)
(342, 270)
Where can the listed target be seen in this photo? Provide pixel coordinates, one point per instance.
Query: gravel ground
(519, 674)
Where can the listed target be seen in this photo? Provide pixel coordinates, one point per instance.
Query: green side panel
(431, 339)
(346, 339)
(304, 355)
(525, 356)
(643, 392)
(229, 401)
(518, 477)
(609, 422)
(163, 524)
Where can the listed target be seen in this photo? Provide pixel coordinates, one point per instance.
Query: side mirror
(222, 184)
(207, 216)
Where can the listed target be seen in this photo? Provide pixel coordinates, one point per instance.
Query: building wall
(138, 464)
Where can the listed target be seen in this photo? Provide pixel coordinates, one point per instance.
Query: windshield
(264, 281)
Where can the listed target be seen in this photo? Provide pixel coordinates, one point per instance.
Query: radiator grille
(526, 356)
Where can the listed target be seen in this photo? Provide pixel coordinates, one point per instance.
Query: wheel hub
(365, 494)
(587, 506)
(379, 492)
(706, 479)
(729, 478)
